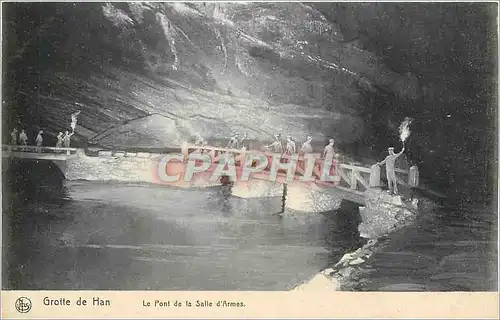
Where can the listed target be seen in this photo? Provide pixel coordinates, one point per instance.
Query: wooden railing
(214, 152)
(349, 177)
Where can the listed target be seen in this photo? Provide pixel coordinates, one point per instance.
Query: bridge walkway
(350, 180)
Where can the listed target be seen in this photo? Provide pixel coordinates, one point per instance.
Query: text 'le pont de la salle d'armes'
(197, 303)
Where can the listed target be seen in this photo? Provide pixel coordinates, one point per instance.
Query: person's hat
(331, 140)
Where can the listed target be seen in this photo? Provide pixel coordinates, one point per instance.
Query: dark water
(81, 235)
(447, 249)
(85, 235)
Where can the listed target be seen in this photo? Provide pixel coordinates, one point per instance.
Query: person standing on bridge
(59, 142)
(329, 151)
(290, 146)
(199, 141)
(67, 139)
(233, 142)
(306, 146)
(389, 162)
(243, 141)
(276, 146)
(13, 137)
(39, 141)
(328, 155)
(23, 138)
(289, 149)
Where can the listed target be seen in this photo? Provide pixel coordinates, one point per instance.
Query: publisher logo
(23, 305)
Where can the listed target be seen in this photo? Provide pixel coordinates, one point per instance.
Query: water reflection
(127, 236)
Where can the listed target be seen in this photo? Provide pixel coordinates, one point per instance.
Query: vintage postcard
(249, 159)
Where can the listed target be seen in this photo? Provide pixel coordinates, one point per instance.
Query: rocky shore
(382, 215)
(345, 274)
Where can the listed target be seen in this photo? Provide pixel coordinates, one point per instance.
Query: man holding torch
(389, 161)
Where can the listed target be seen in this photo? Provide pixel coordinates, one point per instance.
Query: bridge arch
(32, 178)
(37, 167)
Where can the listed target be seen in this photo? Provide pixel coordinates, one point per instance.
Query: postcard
(249, 160)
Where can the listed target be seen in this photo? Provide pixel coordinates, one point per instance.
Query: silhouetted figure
(13, 137)
(200, 141)
(389, 162)
(243, 141)
(233, 142)
(67, 140)
(329, 151)
(39, 141)
(290, 146)
(306, 146)
(23, 138)
(59, 142)
(74, 119)
(276, 146)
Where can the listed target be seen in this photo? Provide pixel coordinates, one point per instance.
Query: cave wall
(449, 52)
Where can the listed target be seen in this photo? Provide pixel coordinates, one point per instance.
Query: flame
(404, 129)
(73, 120)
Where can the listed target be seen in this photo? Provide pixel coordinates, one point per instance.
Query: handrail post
(336, 167)
(354, 180)
(413, 176)
(185, 150)
(375, 176)
(243, 156)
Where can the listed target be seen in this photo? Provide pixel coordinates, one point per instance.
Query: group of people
(63, 140)
(18, 138)
(329, 152)
(237, 142)
(306, 147)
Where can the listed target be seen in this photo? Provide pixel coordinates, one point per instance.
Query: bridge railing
(35, 149)
(348, 176)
